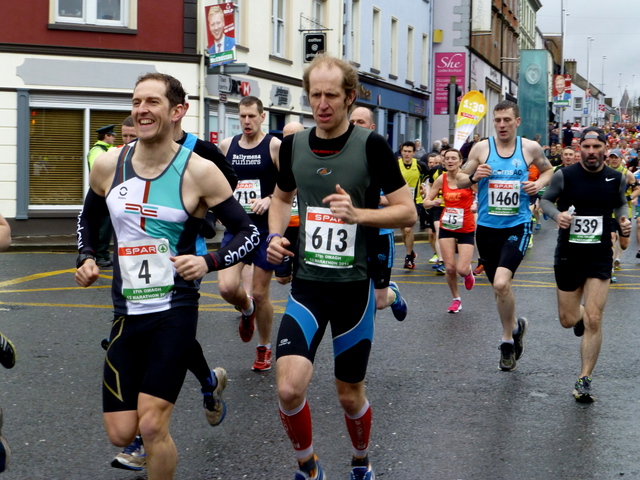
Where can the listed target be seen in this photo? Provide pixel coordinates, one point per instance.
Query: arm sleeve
(89, 220)
(285, 181)
(245, 235)
(551, 195)
(383, 164)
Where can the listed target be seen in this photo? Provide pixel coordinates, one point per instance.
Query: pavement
(67, 243)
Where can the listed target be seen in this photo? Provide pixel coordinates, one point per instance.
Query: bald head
(291, 128)
(362, 117)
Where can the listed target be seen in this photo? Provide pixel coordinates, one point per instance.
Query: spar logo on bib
(142, 250)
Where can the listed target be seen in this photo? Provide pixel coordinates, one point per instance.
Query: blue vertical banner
(533, 95)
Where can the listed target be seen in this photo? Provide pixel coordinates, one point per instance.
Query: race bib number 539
(585, 229)
(329, 242)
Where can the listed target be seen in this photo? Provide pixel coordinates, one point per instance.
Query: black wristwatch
(82, 257)
(471, 177)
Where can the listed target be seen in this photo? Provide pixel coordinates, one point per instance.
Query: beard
(593, 167)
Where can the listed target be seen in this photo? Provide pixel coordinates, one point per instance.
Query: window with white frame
(277, 20)
(355, 31)
(236, 21)
(577, 103)
(393, 67)
(317, 9)
(410, 54)
(112, 13)
(375, 40)
(424, 75)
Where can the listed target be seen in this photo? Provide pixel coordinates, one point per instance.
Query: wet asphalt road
(442, 409)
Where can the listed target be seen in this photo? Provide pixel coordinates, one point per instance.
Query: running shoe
(409, 262)
(399, 307)
(435, 258)
(538, 226)
(456, 306)
(215, 407)
(518, 338)
(479, 270)
(7, 352)
(469, 281)
(248, 324)
(616, 264)
(582, 390)
(530, 242)
(132, 457)
(638, 254)
(578, 328)
(104, 343)
(614, 279)
(440, 270)
(317, 474)
(5, 450)
(545, 216)
(263, 360)
(362, 473)
(104, 262)
(507, 357)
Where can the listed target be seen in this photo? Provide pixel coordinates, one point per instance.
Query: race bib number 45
(147, 272)
(329, 242)
(504, 197)
(585, 229)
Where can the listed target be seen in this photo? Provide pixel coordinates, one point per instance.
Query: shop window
(57, 153)
(112, 13)
(276, 124)
(55, 157)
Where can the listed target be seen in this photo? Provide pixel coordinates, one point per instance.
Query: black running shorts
(148, 354)
(502, 247)
(349, 307)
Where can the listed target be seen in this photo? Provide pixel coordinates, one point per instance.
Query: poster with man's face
(221, 42)
(561, 90)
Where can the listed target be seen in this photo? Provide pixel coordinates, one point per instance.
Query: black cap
(594, 133)
(106, 130)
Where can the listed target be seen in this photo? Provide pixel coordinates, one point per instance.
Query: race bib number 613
(329, 242)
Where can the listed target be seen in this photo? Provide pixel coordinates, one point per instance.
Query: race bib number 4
(504, 197)
(585, 229)
(246, 192)
(329, 242)
(146, 270)
(452, 218)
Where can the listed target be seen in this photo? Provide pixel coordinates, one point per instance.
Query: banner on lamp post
(473, 107)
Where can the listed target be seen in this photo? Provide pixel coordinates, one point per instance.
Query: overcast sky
(615, 28)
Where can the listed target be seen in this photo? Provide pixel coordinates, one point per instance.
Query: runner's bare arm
(401, 211)
(476, 165)
(279, 215)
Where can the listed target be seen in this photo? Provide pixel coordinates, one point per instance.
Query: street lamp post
(587, 92)
(604, 57)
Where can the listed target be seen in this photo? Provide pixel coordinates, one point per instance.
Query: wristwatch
(82, 257)
(471, 177)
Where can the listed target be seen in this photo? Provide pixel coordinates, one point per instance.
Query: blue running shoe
(362, 473)
(132, 457)
(215, 407)
(399, 307)
(318, 474)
